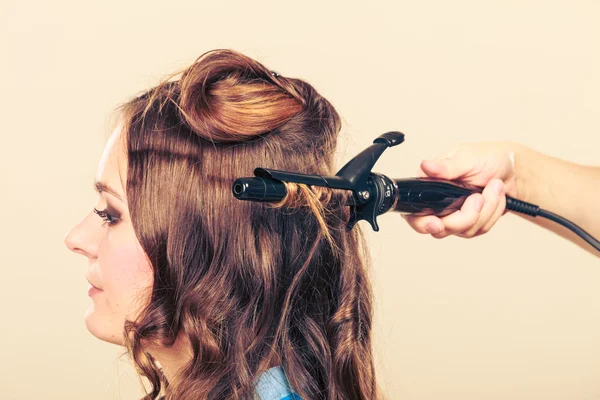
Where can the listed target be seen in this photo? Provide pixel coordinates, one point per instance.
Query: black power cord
(535, 211)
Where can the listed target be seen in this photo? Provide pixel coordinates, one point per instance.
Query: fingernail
(433, 228)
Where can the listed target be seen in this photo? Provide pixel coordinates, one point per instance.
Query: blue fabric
(292, 396)
(273, 385)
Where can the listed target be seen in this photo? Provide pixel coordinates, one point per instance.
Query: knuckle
(471, 221)
(474, 218)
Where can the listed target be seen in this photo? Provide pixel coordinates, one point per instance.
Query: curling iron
(374, 194)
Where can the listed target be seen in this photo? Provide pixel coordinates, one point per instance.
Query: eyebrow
(103, 187)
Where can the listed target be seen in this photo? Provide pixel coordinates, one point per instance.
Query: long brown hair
(249, 285)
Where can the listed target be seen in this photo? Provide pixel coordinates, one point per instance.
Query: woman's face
(117, 265)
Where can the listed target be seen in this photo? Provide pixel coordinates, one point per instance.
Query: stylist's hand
(488, 165)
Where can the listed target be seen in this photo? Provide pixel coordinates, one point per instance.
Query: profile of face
(118, 267)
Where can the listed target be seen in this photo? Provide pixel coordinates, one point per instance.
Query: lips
(93, 284)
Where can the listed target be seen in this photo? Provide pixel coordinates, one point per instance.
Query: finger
(500, 208)
(491, 193)
(424, 224)
(432, 168)
(453, 167)
(463, 219)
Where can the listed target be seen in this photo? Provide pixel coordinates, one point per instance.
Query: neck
(172, 359)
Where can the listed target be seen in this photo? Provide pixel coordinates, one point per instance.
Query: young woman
(213, 297)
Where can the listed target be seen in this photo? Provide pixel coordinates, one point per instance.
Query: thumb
(450, 168)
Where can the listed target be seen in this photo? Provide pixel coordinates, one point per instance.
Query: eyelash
(108, 218)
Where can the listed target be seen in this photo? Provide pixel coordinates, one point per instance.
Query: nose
(81, 240)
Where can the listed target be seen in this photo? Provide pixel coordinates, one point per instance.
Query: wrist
(517, 182)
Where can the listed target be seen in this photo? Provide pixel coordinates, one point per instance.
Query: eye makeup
(108, 218)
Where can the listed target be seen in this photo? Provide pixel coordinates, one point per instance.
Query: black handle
(429, 196)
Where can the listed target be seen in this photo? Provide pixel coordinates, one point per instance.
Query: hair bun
(226, 96)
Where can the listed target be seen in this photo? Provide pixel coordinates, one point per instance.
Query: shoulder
(273, 385)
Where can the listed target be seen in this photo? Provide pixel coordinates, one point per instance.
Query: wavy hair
(247, 284)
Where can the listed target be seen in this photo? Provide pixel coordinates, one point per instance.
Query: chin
(101, 327)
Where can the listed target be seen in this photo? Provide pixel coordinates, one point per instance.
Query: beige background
(514, 314)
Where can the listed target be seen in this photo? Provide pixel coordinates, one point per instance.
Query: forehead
(112, 168)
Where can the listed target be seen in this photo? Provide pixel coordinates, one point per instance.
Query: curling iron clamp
(375, 194)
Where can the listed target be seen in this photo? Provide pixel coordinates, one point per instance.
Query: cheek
(126, 275)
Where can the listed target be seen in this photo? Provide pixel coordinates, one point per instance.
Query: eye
(108, 218)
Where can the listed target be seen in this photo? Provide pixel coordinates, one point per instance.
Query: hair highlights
(247, 285)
